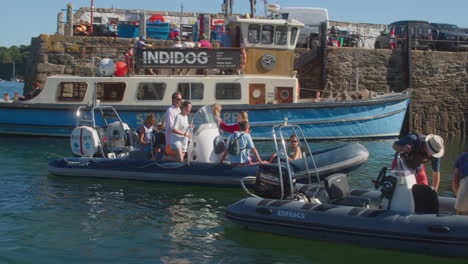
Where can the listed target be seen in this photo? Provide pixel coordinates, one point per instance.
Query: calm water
(49, 219)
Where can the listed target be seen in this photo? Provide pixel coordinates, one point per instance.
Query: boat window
(228, 91)
(110, 91)
(151, 91)
(267, 34)
(293, 35)
(281, 35)
(72, 91)
(253, 34)
(191, 91)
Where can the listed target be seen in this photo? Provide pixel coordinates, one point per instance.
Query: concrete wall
(440, 82)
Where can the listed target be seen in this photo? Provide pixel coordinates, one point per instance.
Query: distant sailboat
(13, 73)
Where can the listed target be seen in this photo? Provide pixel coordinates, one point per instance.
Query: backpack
(234, 146)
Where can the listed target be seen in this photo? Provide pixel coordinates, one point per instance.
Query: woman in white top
(180, 131)
(145, 134)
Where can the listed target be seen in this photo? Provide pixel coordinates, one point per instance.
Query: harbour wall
(439, 79)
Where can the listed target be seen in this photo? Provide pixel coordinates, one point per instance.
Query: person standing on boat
(146, 136)
(243, 116)
(180, 131)
(417, 149)
(169, 118)
(460, 183)
(246, 145)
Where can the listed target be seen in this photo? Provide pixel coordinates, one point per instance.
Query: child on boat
(146, 136)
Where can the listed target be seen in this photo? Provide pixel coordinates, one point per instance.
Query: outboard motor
(268, 182)
(84, 141)
(116, 136)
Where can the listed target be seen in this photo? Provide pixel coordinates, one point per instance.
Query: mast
(13, 73)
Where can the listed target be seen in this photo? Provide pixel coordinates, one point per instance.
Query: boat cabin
(254, 67)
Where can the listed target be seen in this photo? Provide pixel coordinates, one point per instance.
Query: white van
(311, 17)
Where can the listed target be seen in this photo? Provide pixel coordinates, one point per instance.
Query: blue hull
(372, 118)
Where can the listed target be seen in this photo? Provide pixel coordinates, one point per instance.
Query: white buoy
(106, 67)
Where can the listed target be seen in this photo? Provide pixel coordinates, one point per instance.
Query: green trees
(16, 54)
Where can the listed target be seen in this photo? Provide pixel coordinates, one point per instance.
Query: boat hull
(430, 234)
(343, 158)
(373, 118)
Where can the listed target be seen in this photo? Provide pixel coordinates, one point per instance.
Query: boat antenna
(253, 3)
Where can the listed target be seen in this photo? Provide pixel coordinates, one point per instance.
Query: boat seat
(338, 190)
(425, 198)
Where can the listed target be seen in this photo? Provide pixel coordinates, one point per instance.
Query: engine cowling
(84, 141)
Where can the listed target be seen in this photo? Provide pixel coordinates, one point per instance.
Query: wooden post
(69, 27)
(323, 52)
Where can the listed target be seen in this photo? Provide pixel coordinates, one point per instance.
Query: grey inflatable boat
(401, 215)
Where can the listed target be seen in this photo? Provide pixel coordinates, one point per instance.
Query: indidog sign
(189, 58)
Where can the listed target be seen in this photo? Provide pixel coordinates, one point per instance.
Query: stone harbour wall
(440, 80)
(439, 104)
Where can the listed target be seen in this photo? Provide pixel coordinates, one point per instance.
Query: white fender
(84, 141)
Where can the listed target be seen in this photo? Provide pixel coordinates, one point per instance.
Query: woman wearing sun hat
(416, 149)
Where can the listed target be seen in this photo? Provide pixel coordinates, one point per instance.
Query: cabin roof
(284, 22)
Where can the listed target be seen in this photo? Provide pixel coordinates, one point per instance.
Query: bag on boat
(234, 146)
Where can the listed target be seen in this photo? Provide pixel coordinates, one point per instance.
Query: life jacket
(418, 156)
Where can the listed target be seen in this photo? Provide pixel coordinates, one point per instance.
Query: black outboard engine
(268, 182)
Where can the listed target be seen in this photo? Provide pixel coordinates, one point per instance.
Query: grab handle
(439, 229)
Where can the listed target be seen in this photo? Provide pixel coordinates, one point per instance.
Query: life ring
(243, 59)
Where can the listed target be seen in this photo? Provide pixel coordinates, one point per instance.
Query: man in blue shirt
(246, 144)
(416, 149)
(460, 183)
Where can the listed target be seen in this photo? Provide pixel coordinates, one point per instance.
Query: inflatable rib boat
(116, 159)
(401, 216)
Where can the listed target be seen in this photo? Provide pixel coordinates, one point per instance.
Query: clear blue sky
(21, 20)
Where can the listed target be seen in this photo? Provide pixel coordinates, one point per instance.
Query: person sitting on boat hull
(246, 144)
(417, 149)
(180, 134)
(460, 184)
(296, 152)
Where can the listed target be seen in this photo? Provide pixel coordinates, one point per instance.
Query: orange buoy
(121, 68)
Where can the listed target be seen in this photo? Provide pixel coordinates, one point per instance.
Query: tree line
(17, 54)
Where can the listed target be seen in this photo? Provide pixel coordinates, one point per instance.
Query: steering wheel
(379, 181)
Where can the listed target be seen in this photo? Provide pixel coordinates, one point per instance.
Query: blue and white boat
(254, 73)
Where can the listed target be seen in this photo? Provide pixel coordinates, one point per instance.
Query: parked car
(420, 32)
(449, 37)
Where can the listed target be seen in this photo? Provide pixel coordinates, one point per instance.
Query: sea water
(50, 219)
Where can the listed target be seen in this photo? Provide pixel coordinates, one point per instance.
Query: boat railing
(281, 152)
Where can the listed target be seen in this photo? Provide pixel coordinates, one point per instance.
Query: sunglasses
(293, 141)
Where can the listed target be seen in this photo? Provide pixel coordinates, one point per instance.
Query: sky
(22, 20)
